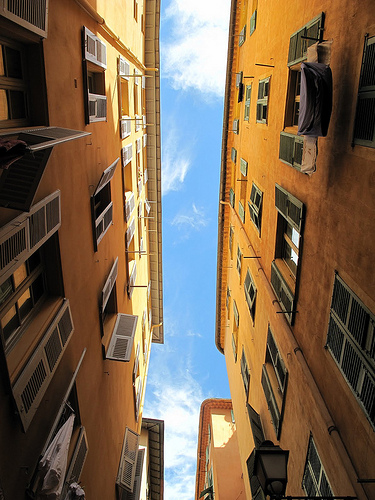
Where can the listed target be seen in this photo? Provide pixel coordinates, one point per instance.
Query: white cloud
(173, 395)
(195, 57)
(175, 162)
(194, 218)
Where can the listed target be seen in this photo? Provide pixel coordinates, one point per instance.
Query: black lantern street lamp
(270, 466)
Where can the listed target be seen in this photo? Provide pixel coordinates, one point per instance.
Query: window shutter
(138, 144)
(250, 293)
(291, 149)
(239, 260)
(253, 22)
(44, 220)
(106, 176)
(282, 292)
(128, 460)
(314, 480)
(78, 459)
(123, 68)
(256, 426)
(129, 204)
(34, 379)
(127, 154)
(144, 140)
(243, 167)
(31, 14)
(130, 233)
(242, 36)
(132, 279)
(256, 490)
(247, 103)
(236, 126)
(245, 372)
(109, 284)
(13, 246)
(147, 206)
(298, 46)
(97, 108)
(95, 49)
(125, 127)
(290, 207)
(231, 197)
(235, 314)
(233, 155)
(121, 344)
(364, 128)
(103, 223)
(139, 390)
(271, 402)
(40, 138)
(135, 495)
(277, 361)
(241, 212)
(239, 78)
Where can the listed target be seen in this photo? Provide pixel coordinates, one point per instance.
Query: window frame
(263, 100)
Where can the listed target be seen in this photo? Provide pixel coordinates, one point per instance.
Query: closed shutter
(291, 149)
(256, 426)
(129, 204)
(253, 22)
(127, 154)
(290, 207)
(245, 373)
(35, 377)
(364, 128)
(132, 279)
(298, 46)
(282, 292)
(236, 126)
(271, 401)
(277, 361)
(78, 459)
(231, 197)
(241, 212)
(233, 155)
(123, 68)
(30, 14)
(136, 493)
(247, 103)
(109, 284)
(121, 343)
(128, 460)
(243, 167)
(242, 36)
(125, 127)
(138, 144)
(130, 233)
(144, 140)
(250, 294)
(239, 78)
(25, 234)
(95, 50)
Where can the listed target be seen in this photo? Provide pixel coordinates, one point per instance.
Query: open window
(101, 205)
(94, 53)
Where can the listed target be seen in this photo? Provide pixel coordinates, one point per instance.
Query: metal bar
(267, 65)
(255, 257)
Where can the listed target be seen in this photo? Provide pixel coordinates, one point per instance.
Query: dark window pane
(13, 64)
(5, 290)
(17, 104)
(37, 289)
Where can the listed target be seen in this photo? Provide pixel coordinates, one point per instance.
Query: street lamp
(270, 467)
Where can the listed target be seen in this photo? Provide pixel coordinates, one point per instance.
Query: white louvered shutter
(132, 279)
(126, 127)
(136, 361)
(130, 233)
(129, 204)
(95, 49)
(123, 68)
(139, 391)
(121, 343)
(138, 145)
(78, 460)
(109, 284)
(144, 140)
(128, 460)
(106, 176)
(31, 14)
(34, 379)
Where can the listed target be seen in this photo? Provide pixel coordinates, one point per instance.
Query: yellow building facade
(295, 279)
(219, 473)
(80, 237)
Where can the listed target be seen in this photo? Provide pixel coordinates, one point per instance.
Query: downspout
(320, 403)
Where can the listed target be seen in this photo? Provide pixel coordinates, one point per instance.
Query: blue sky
(188, 368)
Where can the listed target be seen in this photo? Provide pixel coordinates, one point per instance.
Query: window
(284, 270)
(236, 324)
(135, 10)
(255, 206)
(247, 102)
(245, 373)
(351, 342)
(315, 482)
(250, 294)
(293, 98)
(231, 235)
(101, 205)
(291, 149)
(242, 37)
(94, 53)
(236, 126)
(256, 426)
(239, 260)
(128, 461)
(253, 22)
(231, 197)
(233, 155)
(108, 304)
(241, 212)
(228, 301)
(243, 167)
(262, 102)
(274, 382)
(364, 128)
(312, 33)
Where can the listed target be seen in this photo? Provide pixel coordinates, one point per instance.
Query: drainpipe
(320, 403)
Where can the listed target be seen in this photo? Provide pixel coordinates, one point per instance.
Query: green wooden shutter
(235, 314)
(364, 128)
(282, 292)
(245, 372)
(233, 155)
(271, 401)
(253, 22)
(250, 293)
(289, 206)
(243, 167)
(291, 149)
(241, 212)
(256, 490)
(242, 36)
(277, 361)
(236, 126)
(231, 197)
(256, 426)
(247, 103)
(239, 260)
(298, 45)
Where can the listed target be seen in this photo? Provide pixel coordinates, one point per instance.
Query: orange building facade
(219, 473)
(80, 238)
(295, 278)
